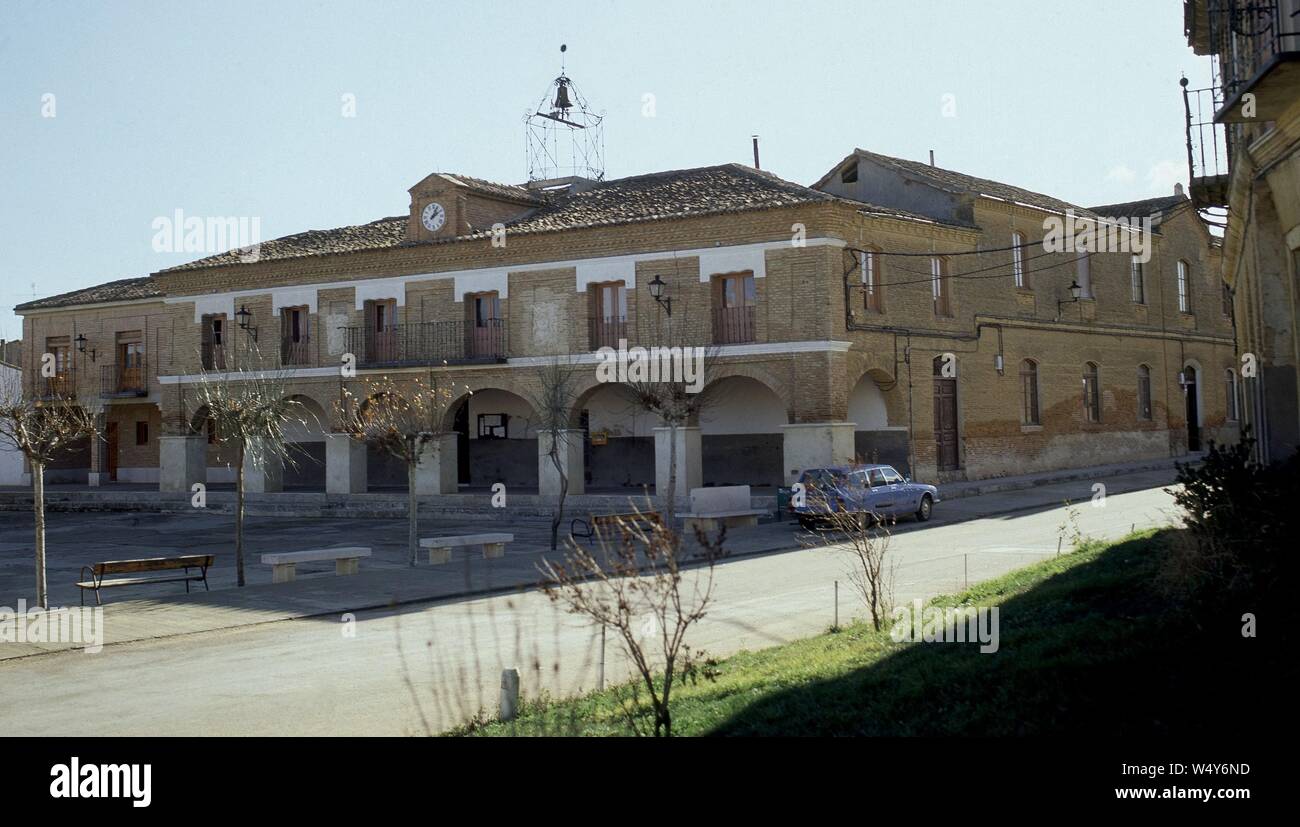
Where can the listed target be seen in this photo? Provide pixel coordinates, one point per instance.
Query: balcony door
(381, 331)
(608, 314)
(130, 360)
(295, 336)
(734, 298)
(484, 324)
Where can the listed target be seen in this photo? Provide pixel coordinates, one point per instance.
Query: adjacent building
(893, 311)
(1243, 148)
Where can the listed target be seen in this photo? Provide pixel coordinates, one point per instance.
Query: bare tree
(649, 592)
(250, 410)
(43, 429)
(403, 419)
(553, 401)
(677, 403)
(863, 539)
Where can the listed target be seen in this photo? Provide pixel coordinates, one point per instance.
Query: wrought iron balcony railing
(606, 331)
(734, 325)
(123, 380)
(295, 352)
(1208, 146)
(1251, 38)
(428, 343)
(60, 386)
(213, 356)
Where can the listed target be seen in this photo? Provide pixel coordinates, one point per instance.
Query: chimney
(1178, 189)
(932, 157)
(756, 166)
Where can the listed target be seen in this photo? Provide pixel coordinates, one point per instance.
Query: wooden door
(945, 422)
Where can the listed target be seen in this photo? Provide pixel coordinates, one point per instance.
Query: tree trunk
(557, 516)
(412, 506)
(670, 507)
(38, 505)
(239, 516)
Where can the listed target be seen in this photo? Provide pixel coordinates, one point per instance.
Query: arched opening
(619, 445)
(874, 440)
(496, 439)
(1190, 381)
(741, 438)
(304, 438)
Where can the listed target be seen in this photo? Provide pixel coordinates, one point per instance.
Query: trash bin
(783, 496)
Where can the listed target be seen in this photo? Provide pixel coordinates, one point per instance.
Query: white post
(509, 694)
(263, 475)
(345, 465)
(570, 456)
(183, 461)
(436, 473)
(690, 465)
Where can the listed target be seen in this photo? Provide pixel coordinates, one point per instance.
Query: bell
(562, 98)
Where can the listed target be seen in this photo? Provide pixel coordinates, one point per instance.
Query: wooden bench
(284, 564)
(723, 505)
(493, 545)
(184, 563)
(644, 520)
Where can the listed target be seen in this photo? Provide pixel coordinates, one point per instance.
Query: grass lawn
(1088, 646)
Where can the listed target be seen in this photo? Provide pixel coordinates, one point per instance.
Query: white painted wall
(11, 459)
(867, 406)
(743, 406)
(611, 409)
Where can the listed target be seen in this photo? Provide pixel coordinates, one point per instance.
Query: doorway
(1193, 410)
(945, 419)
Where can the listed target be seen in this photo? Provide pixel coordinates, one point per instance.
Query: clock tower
(445, 206)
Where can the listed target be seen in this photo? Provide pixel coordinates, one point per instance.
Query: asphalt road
(421, 668)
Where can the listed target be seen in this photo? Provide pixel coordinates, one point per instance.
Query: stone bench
(723, 505)
(493, 545)
(284, 563)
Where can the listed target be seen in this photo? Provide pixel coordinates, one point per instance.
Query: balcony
(61, 386)
(213, 356)
(1258, 46)
(119, 381)
(428, 343)
(734, 325)
(606, 331)
(294, 353)
(1208, 146)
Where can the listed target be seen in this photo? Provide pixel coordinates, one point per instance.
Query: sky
(116, 114)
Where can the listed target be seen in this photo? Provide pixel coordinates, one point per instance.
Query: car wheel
(923, 513)
(806, 523)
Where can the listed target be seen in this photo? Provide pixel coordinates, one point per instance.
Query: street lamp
(656, 287)
(1075, 292)
(245, 317)
(81, 346)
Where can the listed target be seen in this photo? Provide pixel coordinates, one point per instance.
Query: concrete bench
(493, 545)
(284, 563)
(723, 505)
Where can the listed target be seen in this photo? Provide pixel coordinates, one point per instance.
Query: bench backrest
(192, 561)
(630, 517)
(720, 498)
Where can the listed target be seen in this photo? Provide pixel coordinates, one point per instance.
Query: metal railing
(1209, 145)
(1248, 35)
(734, 325)
(606, 331)
(295, 353)
(60, 386)
(123, 380)
(428, 343)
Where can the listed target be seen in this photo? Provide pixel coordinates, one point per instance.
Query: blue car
(874, 492)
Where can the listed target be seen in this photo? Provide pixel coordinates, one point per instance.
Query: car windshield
(892, 476)
(824, 478)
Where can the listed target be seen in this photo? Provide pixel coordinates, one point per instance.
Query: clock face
(433, 216)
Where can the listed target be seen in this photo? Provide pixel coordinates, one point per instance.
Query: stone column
(345, 465)
(570, 455)
(182, 461)
(690, 466)
(816, 445)
(263, 475)
(99, 452)
(436, 473)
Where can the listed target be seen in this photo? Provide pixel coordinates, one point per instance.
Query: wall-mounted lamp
(1075, 292)
(999, 364)
(656, 287)
(81, 346)
(245, 316)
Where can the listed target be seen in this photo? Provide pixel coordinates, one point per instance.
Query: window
(940, 286)
(1029, 414)
(871, 293)
(734, 297)
(1018, 259)
(850, 174)
(1139, 284)
(1144, 393)
(211, 429)
(213, 338)
(142, 433)
(893, 477)
(1091, 393)
(1084, 264)
(1184, 288)
(608, 314)
(60, 349)
(492, 426)
(1227, 301)
(877, 477)
(1230, 395)
(486, 308)
(295, 339)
